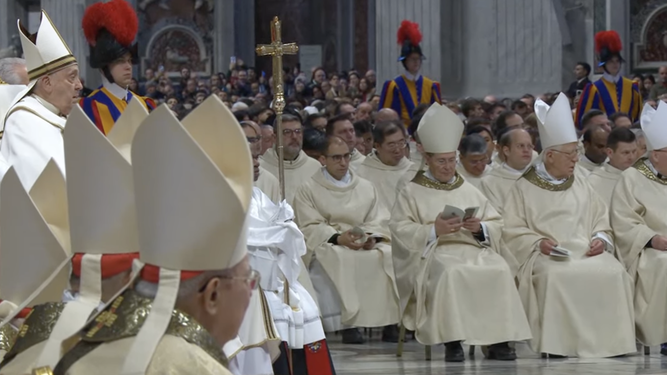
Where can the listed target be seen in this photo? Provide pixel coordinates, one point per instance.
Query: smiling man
(110, 29)
(37, 116)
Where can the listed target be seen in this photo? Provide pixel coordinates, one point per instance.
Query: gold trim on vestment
(25, 108)
(125, 316)
(424, 181)
(644, 169)
(531, 176)
(271, 334)
(8, 336)
(2, 82)
(51, 67)
(36, 328)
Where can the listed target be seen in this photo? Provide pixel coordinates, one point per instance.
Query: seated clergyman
(577, 296)
(622, 154)
(638, 218)
(341, 218)
(454, 285)
(473, 159)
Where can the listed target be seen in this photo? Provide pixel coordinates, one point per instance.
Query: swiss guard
(110, 29)
(404, 93)
(612, 92)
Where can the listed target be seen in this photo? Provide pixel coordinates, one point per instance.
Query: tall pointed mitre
(193, 189)
(45, 52)
(103, 223)
(555, 122)
(34, 238)
(654, 125)
(440, 130)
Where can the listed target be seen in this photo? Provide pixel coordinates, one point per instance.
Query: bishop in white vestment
(577, 296)
(621, 155)
(638, 207)
(453, 283)
(341, 217)
(35, 120)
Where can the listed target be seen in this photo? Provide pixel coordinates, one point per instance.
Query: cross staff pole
(276, 50)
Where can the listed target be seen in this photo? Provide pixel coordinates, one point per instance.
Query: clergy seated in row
(595, 148)
(193, 291)
(577, 296)
(594, 118)
(641, 142)
(363, 130)
(483, 128)
(313, 141)
(264, 180)
(298, 166)
(385, 166)
(638, 219)
(506, 120)
(473, 159)
(26, 220)
(341, 217)
(341, 127)
(454, 285)
(621, 155)
(517, 148)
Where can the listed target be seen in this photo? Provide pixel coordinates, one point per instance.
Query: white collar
(52, 108)
(651, 167)
(581, 80)
(411, 77)
(611, 78)
(114, 89)
(542, 172)
(340, 183)
(428, 175)
(585, 158)
(512, 170)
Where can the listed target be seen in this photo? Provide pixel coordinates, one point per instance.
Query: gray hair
(8, 70)
(473, 144)
(638, 133)
(186, 288)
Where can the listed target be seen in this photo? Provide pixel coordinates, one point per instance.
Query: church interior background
(474, 48)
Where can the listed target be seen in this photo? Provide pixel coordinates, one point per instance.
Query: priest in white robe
(341, 126)
(621, 155)
(517, 148)
(453, 283)
(36, 117)
(577, 296)
(473, 160)
(264, 180)
(638, 219)
(341, 217)
(298, 166)
(385, 166)
(595, 148)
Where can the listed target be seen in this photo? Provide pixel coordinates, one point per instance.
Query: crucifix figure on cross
(276, 50)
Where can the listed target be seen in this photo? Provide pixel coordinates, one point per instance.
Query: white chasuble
(356, 159)
(638, 210)
(354, 288)
(603, 180)
(497, 183)
(296, 171)
(454, 287)
(384, 177)
(269, 185)
(473, 180)
(578, 306)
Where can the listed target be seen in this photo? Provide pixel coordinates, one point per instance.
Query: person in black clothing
(582, 70)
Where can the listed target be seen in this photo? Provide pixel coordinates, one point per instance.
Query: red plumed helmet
(409, 37)
(110, 28)
(607, 45)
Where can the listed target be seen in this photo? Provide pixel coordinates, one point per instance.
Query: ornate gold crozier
(276, 50)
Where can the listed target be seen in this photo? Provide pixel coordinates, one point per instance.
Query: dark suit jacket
(574, 86)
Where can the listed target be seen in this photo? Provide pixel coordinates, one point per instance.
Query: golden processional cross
(276, 50)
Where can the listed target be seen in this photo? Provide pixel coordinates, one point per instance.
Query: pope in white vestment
(454, 285)
(328, 210)
(638, 207)
(578, 303)
(36, 118)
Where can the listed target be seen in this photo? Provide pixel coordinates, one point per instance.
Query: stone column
(10, 11)
(244, 30)
(618, 19)
(388, 17)
(371, 34)
(223, 35)
(66, 15)
(345, 45)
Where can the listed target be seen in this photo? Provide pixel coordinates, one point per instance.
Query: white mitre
(34, 237)
(654, 125)
(555, 122)
(440, 130)
(45, 53)
(193, 185)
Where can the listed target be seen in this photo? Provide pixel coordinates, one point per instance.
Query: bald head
(386, 114)
(490, 99)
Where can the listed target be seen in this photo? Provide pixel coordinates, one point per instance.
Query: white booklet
(451, 212)
(560, 252)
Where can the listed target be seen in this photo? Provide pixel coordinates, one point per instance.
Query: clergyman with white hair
(13, 71)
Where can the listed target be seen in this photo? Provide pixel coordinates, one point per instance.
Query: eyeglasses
(289, 132)
(479, 162)
(253, 140)
(397, 145)
(252, 280)
(570, 154)
(339, 158)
